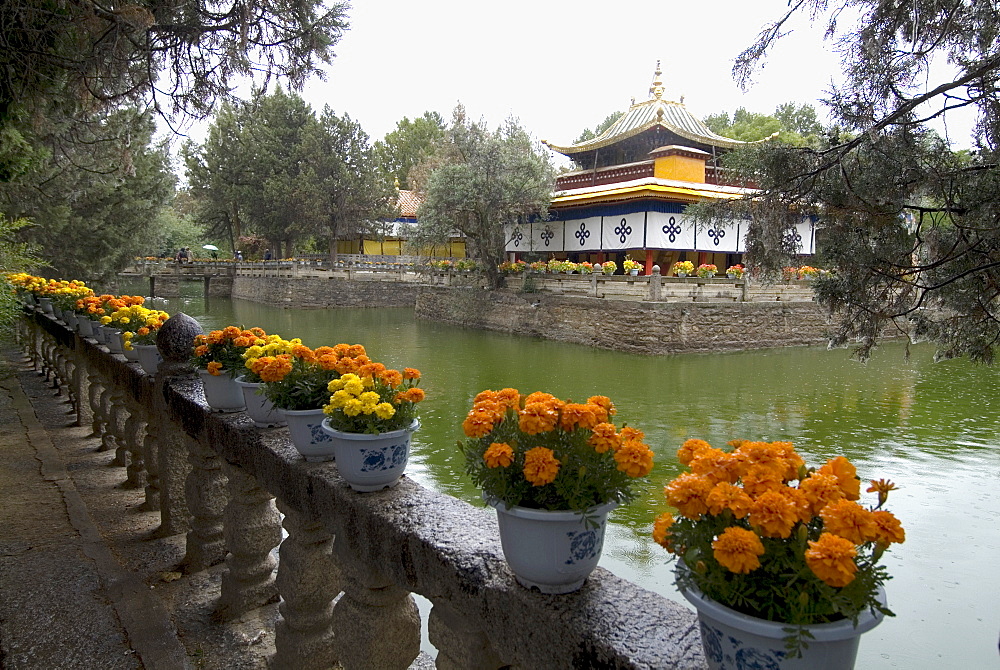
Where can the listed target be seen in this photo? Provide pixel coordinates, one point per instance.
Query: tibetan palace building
(629, 195)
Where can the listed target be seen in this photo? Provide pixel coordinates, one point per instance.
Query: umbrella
(210, 247)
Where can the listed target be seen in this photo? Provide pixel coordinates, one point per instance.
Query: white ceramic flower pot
(46, 304)
(85, 327)
(371, 462)
(734, 640)
(634, 272)
(129, 354)
(308, 436)
(221, 392)
(113, 339)
(149, 357)
(553, 551)
(259, 408)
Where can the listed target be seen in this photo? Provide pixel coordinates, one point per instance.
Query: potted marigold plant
(260, 409)
(553, 470)
(735, 271)
(609, 267)
(371, 416)
(682, 268)
(780, 560)
(630, 266)
(296, 382)
(707, 270)
(218, 358)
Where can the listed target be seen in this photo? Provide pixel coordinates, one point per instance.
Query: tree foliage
(911, 227)
(63, 62)
(95, 208)
(486, 180)
(271, 168)
(588, 134)
(411, 143)
(797, 125)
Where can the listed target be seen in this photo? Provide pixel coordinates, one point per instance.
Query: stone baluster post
(151, 460)
(461, 644)
(205, 493)
(308, 581)
(377, 622)
(81, 389)
(111, 408)
(252, 528)
(655, 284)
(133, 432)
(94, 393)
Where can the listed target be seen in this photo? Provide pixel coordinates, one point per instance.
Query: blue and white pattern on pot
(584, 544)
(384, 458)
(317, 434)
(738, 656)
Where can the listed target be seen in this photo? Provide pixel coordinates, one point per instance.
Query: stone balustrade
(349, 562)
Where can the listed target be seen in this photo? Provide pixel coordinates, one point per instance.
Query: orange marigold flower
(791, 458)
(214, 368)
(304, 352)
(325, 351)
(773, 514)
(690, 448)
(725, 496)
(831, 558)
(345, 365)
(541, 396)
(259, 332)
(849, 520)
(715, 465)
(356, 350)
(200, 339)
(485, 396)
(689, 493)
(392, 377)
(201, 350)
(883, 486)
(738, 550)
(887, 528)
(846, 475)
(759, 478)
(604, 438)
(276, 368)
(540, 466)
(575, 415)
(411, 395)
(821, 490)
(799, 501)
(499, 454)
(411, 373)
(229, 332)
(538, 417)
(478, 423)
(143, 330)
(327, 361)
(509, 397)
(630, 434)
(604, 402)
(634, 458)
(661, 530)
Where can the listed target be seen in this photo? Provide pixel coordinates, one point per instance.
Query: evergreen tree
(411, 143)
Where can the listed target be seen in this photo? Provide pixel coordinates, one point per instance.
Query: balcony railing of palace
(651, 288)
(349, 563)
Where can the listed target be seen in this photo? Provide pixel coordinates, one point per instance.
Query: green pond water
(932, 428)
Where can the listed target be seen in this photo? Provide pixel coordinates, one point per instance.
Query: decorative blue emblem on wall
(623, 230)
(547, 235)
(583, 545)
(672, 229)
(317, 434)
(582, 234)
(716, 234)
(517, 236)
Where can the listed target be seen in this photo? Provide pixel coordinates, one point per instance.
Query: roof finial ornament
(656, 88)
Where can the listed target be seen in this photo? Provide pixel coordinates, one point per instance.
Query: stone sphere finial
(175, 336)
(656, 269)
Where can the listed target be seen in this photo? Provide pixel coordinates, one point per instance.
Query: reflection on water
(931, 428)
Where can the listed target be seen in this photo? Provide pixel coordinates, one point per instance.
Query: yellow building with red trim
(634, 182)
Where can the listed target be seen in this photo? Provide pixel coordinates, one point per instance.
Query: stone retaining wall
(321, 292)
(637, 327)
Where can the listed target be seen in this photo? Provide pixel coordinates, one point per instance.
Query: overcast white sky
(560, 66)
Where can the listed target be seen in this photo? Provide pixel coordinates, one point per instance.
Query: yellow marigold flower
(661, 530)
(690, 448)
(339, 399)
(887, 528)
(821, 490)
(385, 410)
(353, 407)
(214, 368)
(689, 494)
(370, 398)
(846, 474)
(354, 386)
(738, 550)
(634, 458)
(498, 455)
(773, 515)
(849, 520)
(540, 466)
(715, 465)
(538, 417)
(605, 437)
(831, 558)
(105, 320)
(725, 496)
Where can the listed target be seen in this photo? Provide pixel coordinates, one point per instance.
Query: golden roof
(654, 112)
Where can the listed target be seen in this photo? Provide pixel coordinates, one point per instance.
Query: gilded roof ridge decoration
(650, 113)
